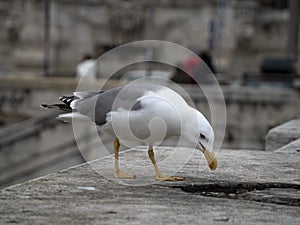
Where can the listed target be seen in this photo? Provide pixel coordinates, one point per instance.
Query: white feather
(73, 103)
(75, 116)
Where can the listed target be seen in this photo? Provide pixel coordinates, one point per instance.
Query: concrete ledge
(282, 135)
(249, 187)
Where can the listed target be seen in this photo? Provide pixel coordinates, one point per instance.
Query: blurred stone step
(283, 134)
(293, 147)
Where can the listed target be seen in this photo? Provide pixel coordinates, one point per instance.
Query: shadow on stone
(275, 193)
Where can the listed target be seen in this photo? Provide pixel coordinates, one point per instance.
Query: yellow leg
(159, 175)
(117, 172)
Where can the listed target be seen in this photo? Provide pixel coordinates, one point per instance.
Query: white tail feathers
(72, 105)
(75, 116)
(82, 95)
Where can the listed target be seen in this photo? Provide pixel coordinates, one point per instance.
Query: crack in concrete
(275, 193)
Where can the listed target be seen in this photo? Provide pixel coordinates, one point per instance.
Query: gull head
(200, 134)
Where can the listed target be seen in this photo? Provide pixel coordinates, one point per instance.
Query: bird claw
(168, 178)
(121, 175)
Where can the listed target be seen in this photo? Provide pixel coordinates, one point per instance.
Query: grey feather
(98, 105)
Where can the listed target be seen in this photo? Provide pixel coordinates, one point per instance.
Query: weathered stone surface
(249, 187)
(282, 135)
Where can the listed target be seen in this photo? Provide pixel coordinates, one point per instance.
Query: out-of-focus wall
(245, 31)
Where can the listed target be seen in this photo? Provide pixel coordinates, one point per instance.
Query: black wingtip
(44, 106)
(66, 99)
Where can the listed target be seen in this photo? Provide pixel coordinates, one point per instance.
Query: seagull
(147, 113)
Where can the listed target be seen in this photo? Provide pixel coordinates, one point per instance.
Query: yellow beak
(211, 158)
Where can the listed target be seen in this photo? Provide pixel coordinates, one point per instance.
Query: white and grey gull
(127, 114)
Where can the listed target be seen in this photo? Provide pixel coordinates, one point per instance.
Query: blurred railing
(33, 148)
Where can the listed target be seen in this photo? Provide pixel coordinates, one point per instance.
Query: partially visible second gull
(127, 113)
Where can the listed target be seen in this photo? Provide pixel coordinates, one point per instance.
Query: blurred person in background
(87, 68)
(193, 67)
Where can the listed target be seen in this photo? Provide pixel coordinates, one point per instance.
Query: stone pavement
(248, 187)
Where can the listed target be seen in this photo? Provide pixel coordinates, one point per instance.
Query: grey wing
(126, 97)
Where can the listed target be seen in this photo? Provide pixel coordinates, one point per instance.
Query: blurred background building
(253, 46)
(239, 33)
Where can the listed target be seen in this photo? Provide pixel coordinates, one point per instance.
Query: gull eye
(202, 136)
